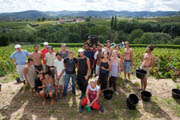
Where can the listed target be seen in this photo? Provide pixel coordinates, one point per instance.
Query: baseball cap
(80, 50)
(17, 46)
(45, 43)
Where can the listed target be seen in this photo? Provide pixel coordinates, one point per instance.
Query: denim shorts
(127, 66)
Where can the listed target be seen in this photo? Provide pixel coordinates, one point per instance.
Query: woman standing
(117, 48)
(116, 68)
(30, 74)
(105, 67)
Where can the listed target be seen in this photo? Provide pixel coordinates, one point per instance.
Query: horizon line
(93, 10)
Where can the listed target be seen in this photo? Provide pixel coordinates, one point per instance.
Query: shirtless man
(108, 47)
(147, 63)
(128, 60)
(97, 57)
(37, 57)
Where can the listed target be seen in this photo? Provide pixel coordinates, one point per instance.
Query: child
(92, 96)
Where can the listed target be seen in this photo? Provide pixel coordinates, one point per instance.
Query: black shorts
(38, 67)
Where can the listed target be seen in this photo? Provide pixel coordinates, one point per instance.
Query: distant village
(76, 20)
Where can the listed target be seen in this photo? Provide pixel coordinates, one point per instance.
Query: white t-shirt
(50, 59)
(59, 66)
(96, 53)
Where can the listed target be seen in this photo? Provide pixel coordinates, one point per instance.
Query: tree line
(113, 29)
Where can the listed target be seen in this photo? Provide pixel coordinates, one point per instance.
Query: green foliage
(137, 33)
(131, 45)
(157, 46)
(114, 23)
(177, 40)
(153, 38)
(169, 58)
(4, 41)
(67, 44)
(120, 36)
(127, 26)
(116, 29)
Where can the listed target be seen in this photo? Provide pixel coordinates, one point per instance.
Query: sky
(84, 5)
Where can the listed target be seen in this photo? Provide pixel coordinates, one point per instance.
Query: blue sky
(118, 5)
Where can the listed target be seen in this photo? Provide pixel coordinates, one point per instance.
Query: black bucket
(140, 73)
(145, 95)
(18, 80)
(108, 93)
(176, 93)
(132, 101)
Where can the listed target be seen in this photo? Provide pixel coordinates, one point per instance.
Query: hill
(33, 14)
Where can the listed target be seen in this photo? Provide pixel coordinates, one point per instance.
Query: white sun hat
(80, 50)
(17, 46)
(92, 80)
(45, 43)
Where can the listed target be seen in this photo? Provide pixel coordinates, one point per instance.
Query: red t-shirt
(43, 52)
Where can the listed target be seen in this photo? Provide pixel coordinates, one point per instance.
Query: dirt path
(17, 103)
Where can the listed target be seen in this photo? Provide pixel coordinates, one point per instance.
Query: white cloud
(119, 5)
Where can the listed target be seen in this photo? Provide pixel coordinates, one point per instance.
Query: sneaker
(81, 109)
(101, 109)
(116, 93)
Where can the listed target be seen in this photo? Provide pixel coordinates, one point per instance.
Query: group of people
(95, 69)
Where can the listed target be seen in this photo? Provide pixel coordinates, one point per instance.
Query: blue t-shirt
(90, 55)
(20, 57)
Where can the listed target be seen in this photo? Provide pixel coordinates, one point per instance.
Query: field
(17, 103)
(167, 60)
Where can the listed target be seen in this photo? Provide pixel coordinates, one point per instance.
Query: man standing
(59, 74)
(20, 61)
(90, 54)
(63, 52)
(98, 56)
(49, 59)
(37, 57)
(83, 72)
(70, 65)
(128, 60)
(43, 52)
(147, 63)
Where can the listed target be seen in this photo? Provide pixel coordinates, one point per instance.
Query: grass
(174, 105)
(8, 78)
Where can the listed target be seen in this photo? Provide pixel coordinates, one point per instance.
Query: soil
(17, 103)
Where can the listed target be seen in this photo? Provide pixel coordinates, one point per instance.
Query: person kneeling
(92, 96)
(48, 89)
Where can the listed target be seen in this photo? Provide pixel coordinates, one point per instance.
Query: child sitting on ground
(48, 89)
(92, 96)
